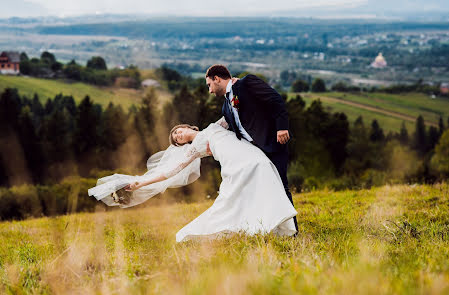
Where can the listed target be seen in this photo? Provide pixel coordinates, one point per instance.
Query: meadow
(47, 88)
(390, 110)
(386, 240)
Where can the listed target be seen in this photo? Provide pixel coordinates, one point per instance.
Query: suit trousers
(280, 160)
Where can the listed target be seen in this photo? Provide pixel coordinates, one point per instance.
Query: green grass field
(47, 88)
(388, 240)
(411, 105)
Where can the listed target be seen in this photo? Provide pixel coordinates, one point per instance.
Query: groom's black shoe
(289, 195)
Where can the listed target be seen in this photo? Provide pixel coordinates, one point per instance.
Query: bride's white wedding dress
(251, 199)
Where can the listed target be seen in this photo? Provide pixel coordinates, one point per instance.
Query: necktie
(232, 117)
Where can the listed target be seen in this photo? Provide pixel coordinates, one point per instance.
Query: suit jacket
(261, 111)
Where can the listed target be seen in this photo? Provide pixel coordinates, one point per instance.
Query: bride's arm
(191, 155)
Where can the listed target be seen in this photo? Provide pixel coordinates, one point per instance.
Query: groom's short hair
(218, 70)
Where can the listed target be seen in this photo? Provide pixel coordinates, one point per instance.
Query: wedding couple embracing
(249, 141)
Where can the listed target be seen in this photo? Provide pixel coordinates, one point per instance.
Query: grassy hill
(47, 88)
(389, 109)
(388, 240)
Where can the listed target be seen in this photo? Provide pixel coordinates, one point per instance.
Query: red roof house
(9, 63)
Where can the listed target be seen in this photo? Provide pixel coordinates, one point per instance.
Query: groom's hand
(283, 136)
(208, 151)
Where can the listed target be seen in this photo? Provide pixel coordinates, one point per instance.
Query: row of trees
(95, 72)
(328, 151)
(44, 143)
(61, 138)
(319, 85)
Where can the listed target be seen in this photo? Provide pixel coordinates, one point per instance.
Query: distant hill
(433, 10)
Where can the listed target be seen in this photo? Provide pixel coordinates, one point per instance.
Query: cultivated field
(388, 240)
(390, 110)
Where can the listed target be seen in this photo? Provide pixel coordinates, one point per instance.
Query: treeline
(95, 72)
(327, 151)
(305, 84)
(42, 143)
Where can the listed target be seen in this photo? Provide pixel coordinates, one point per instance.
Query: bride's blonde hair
(170, 137)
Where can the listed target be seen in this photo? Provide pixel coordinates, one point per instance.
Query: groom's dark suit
(262, 113)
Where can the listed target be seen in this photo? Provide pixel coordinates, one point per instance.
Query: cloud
(22, 8)
(182, 7)
(223, 8)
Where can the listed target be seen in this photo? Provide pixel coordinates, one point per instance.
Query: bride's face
(181, 135)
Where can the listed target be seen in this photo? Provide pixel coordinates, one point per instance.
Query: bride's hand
(132, 186)
(234, 79)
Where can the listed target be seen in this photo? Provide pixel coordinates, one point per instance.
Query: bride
(251, 199)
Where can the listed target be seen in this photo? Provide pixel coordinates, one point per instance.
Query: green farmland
(389, 109)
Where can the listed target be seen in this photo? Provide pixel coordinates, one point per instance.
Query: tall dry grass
(389, 240)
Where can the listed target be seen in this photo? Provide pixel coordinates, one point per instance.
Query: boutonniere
(235, 102)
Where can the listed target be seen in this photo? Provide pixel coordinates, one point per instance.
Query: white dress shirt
(236, 113)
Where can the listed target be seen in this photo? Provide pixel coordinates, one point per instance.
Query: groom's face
(215, 86)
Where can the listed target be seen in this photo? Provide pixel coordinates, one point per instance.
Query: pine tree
(376, 133)
(56, 136)
(186, 106)
(48, 109)
(145, 121)
(441, 125)
(295, 108)
(337, 137)
(38, 111)
(434, 136)
(440, 159)
(360, 150)
(206, 112)
(87, 122)
(420, 142)
(114, 125)
(403, 135)
(31, 144)
(10, 106)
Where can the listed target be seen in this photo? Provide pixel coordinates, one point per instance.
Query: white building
(379, 62)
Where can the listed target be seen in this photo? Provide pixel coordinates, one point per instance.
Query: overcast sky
(180, 7)
(306, 8)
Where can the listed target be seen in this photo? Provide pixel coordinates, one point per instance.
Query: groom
(255, 112)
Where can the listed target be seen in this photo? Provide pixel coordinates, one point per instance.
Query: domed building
(379, 62)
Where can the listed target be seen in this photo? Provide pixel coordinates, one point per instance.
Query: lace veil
(158, 164)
